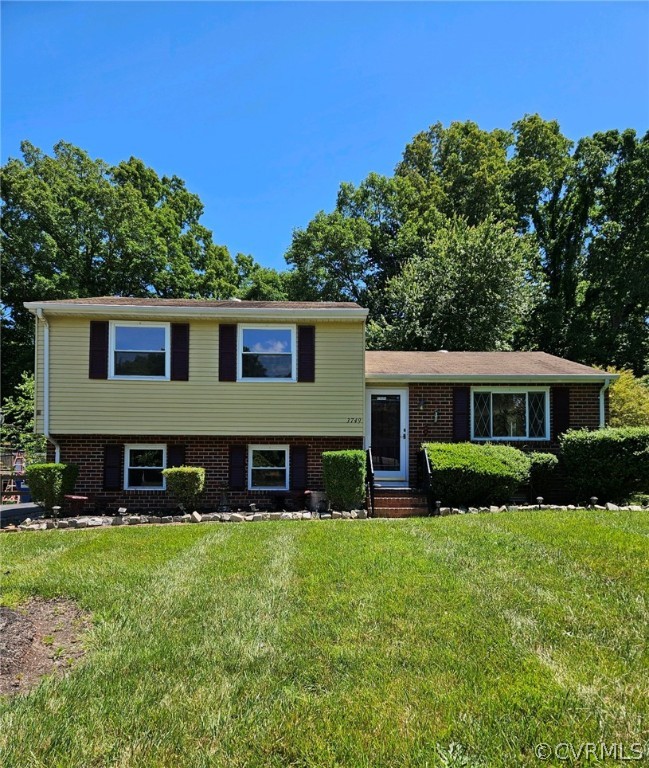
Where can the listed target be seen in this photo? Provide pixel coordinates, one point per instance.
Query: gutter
(486, 378)
(231, 313)
(46, 384)
(602, 400)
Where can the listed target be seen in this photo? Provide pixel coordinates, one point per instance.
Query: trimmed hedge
(344, 478)
(185, 483)
(542, 467)
(49, 483)
(611, 463)
(468, 474)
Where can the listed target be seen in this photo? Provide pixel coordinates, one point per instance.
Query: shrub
(469, 474)
(49, 483)
(608, 463)
(344, 478)
(629, 400)
(186, 484)
(542, 467)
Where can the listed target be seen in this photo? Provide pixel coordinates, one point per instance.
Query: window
(267, 353)
(143, 465)
(510, 414)
(268, 467)
(139, 350)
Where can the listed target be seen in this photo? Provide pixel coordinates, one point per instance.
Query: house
(256, 391)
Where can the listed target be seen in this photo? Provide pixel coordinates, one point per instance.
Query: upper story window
(139, 350)
(267, 353)
(510, 414)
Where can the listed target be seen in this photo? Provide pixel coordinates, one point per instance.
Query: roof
(497, 366)
(127, 301)
(155, 308)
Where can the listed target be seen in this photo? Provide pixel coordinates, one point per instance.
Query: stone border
(195, 517)
(443, 511)
(256, 517)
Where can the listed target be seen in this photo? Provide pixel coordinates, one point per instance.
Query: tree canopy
(74, 226)
(579, 213)
(502, 239)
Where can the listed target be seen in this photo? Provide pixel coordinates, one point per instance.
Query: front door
(387, 437)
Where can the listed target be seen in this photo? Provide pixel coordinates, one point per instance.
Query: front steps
(399, 502)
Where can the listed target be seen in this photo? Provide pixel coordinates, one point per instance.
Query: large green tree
(74, 226)
(466, 291)
(581, 211)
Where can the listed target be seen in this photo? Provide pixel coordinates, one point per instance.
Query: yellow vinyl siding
(204, 405)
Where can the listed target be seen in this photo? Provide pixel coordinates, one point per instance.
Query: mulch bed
(41, 637)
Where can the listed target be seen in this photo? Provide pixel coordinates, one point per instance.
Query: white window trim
(268, 327)
(509, 391)
(287, 452)
(144, 447)
(141, 324)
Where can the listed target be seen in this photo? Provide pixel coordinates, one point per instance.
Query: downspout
(46, 385)
(602, 403)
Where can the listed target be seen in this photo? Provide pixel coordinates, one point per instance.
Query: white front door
(387, 434)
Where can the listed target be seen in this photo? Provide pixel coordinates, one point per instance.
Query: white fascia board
(229, 313)
(494, 378)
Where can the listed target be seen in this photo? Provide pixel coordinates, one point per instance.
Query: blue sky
(265, 108)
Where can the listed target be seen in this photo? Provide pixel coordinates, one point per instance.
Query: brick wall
(425, 399)
(205, 451)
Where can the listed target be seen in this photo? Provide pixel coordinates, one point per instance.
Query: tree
(257, 283)
(629, 400)
(467, 291)
(583, 209)
(73, 226)
(18, 420)
(331, 258)
(615, 317)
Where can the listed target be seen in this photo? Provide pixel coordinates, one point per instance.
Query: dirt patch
(41, 637)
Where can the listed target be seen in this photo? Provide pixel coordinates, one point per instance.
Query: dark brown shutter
(461, 429)
(237, 470)
(298, 468)
(175, 455)
(179, 352)
(98, 355)
(560, 410)
(227, 352)
(112, 467)
(306, 353)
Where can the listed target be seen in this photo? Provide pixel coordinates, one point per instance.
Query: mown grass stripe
(339, 644)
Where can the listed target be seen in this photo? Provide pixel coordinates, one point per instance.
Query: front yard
(345, 643)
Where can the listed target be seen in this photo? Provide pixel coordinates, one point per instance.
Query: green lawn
(362, 643)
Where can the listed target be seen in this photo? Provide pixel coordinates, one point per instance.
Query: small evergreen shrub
(50, 482)
(185, 484)
(474, 475)
(611, 464)
(542, 467)
(344, 478)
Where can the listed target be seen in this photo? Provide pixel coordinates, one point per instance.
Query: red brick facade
(426, 399)
(430, 417)
(210, 452)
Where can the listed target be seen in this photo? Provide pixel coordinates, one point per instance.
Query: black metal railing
(369, 481)
(426, 479)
